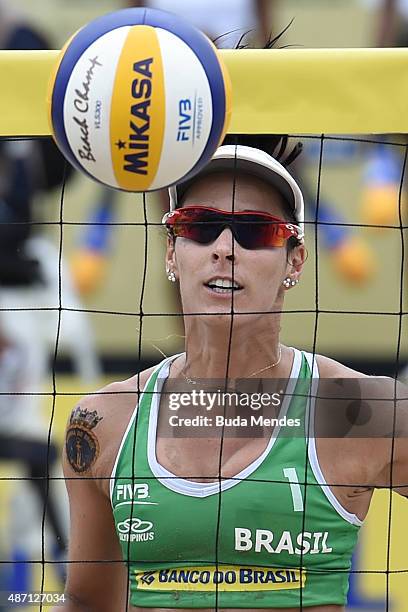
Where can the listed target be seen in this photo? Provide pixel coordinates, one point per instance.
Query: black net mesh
(316, 321)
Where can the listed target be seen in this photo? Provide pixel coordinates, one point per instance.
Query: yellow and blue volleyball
(139, 99)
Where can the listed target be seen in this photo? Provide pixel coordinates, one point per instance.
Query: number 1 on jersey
(291, 475)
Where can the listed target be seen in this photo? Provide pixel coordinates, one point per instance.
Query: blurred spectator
(30, 289)
(224, 21)
(383, 171)
(392, 22)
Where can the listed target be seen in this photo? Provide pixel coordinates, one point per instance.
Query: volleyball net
(348, 108)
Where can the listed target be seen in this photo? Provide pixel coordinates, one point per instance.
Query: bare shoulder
(96, 427)
(113, 402)
(329, 368)
(370, 411)
(387, 388)
(377, 392)
(365, 424)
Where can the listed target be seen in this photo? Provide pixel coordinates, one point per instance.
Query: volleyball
(139, 99)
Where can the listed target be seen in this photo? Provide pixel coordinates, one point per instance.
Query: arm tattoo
(81, 443)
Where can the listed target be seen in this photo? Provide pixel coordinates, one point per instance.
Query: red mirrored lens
(251, 230)
(196, 225)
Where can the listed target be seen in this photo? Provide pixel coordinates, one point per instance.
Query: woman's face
(259, 272)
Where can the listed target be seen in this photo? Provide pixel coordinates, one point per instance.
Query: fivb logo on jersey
(133, 494)
(133, 528)
(130, 493)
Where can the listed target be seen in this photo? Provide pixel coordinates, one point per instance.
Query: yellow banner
(333, 91)
(225, 578)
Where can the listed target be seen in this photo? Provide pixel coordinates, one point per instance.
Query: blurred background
(115, 312)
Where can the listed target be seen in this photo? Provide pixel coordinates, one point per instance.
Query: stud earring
(289, 282)
(170, 275)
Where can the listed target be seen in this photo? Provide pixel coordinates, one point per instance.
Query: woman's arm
(96, 574)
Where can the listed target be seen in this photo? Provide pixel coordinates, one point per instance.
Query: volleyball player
(208, 517)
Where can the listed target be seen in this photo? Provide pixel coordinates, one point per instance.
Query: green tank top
(258, 540)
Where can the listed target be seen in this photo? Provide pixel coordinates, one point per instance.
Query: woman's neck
(240, 352)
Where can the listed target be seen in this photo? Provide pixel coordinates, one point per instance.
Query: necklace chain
(271, 365)
(191, 381)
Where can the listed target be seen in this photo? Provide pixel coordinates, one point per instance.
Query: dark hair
(275, 145)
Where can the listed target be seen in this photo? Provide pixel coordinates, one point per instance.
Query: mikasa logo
(140, 123)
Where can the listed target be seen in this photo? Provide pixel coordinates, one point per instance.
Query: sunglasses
(252, 230)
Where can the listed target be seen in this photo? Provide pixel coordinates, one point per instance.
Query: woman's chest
(267, 504)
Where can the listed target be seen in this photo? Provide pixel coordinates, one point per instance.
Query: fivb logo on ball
(138, 109)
